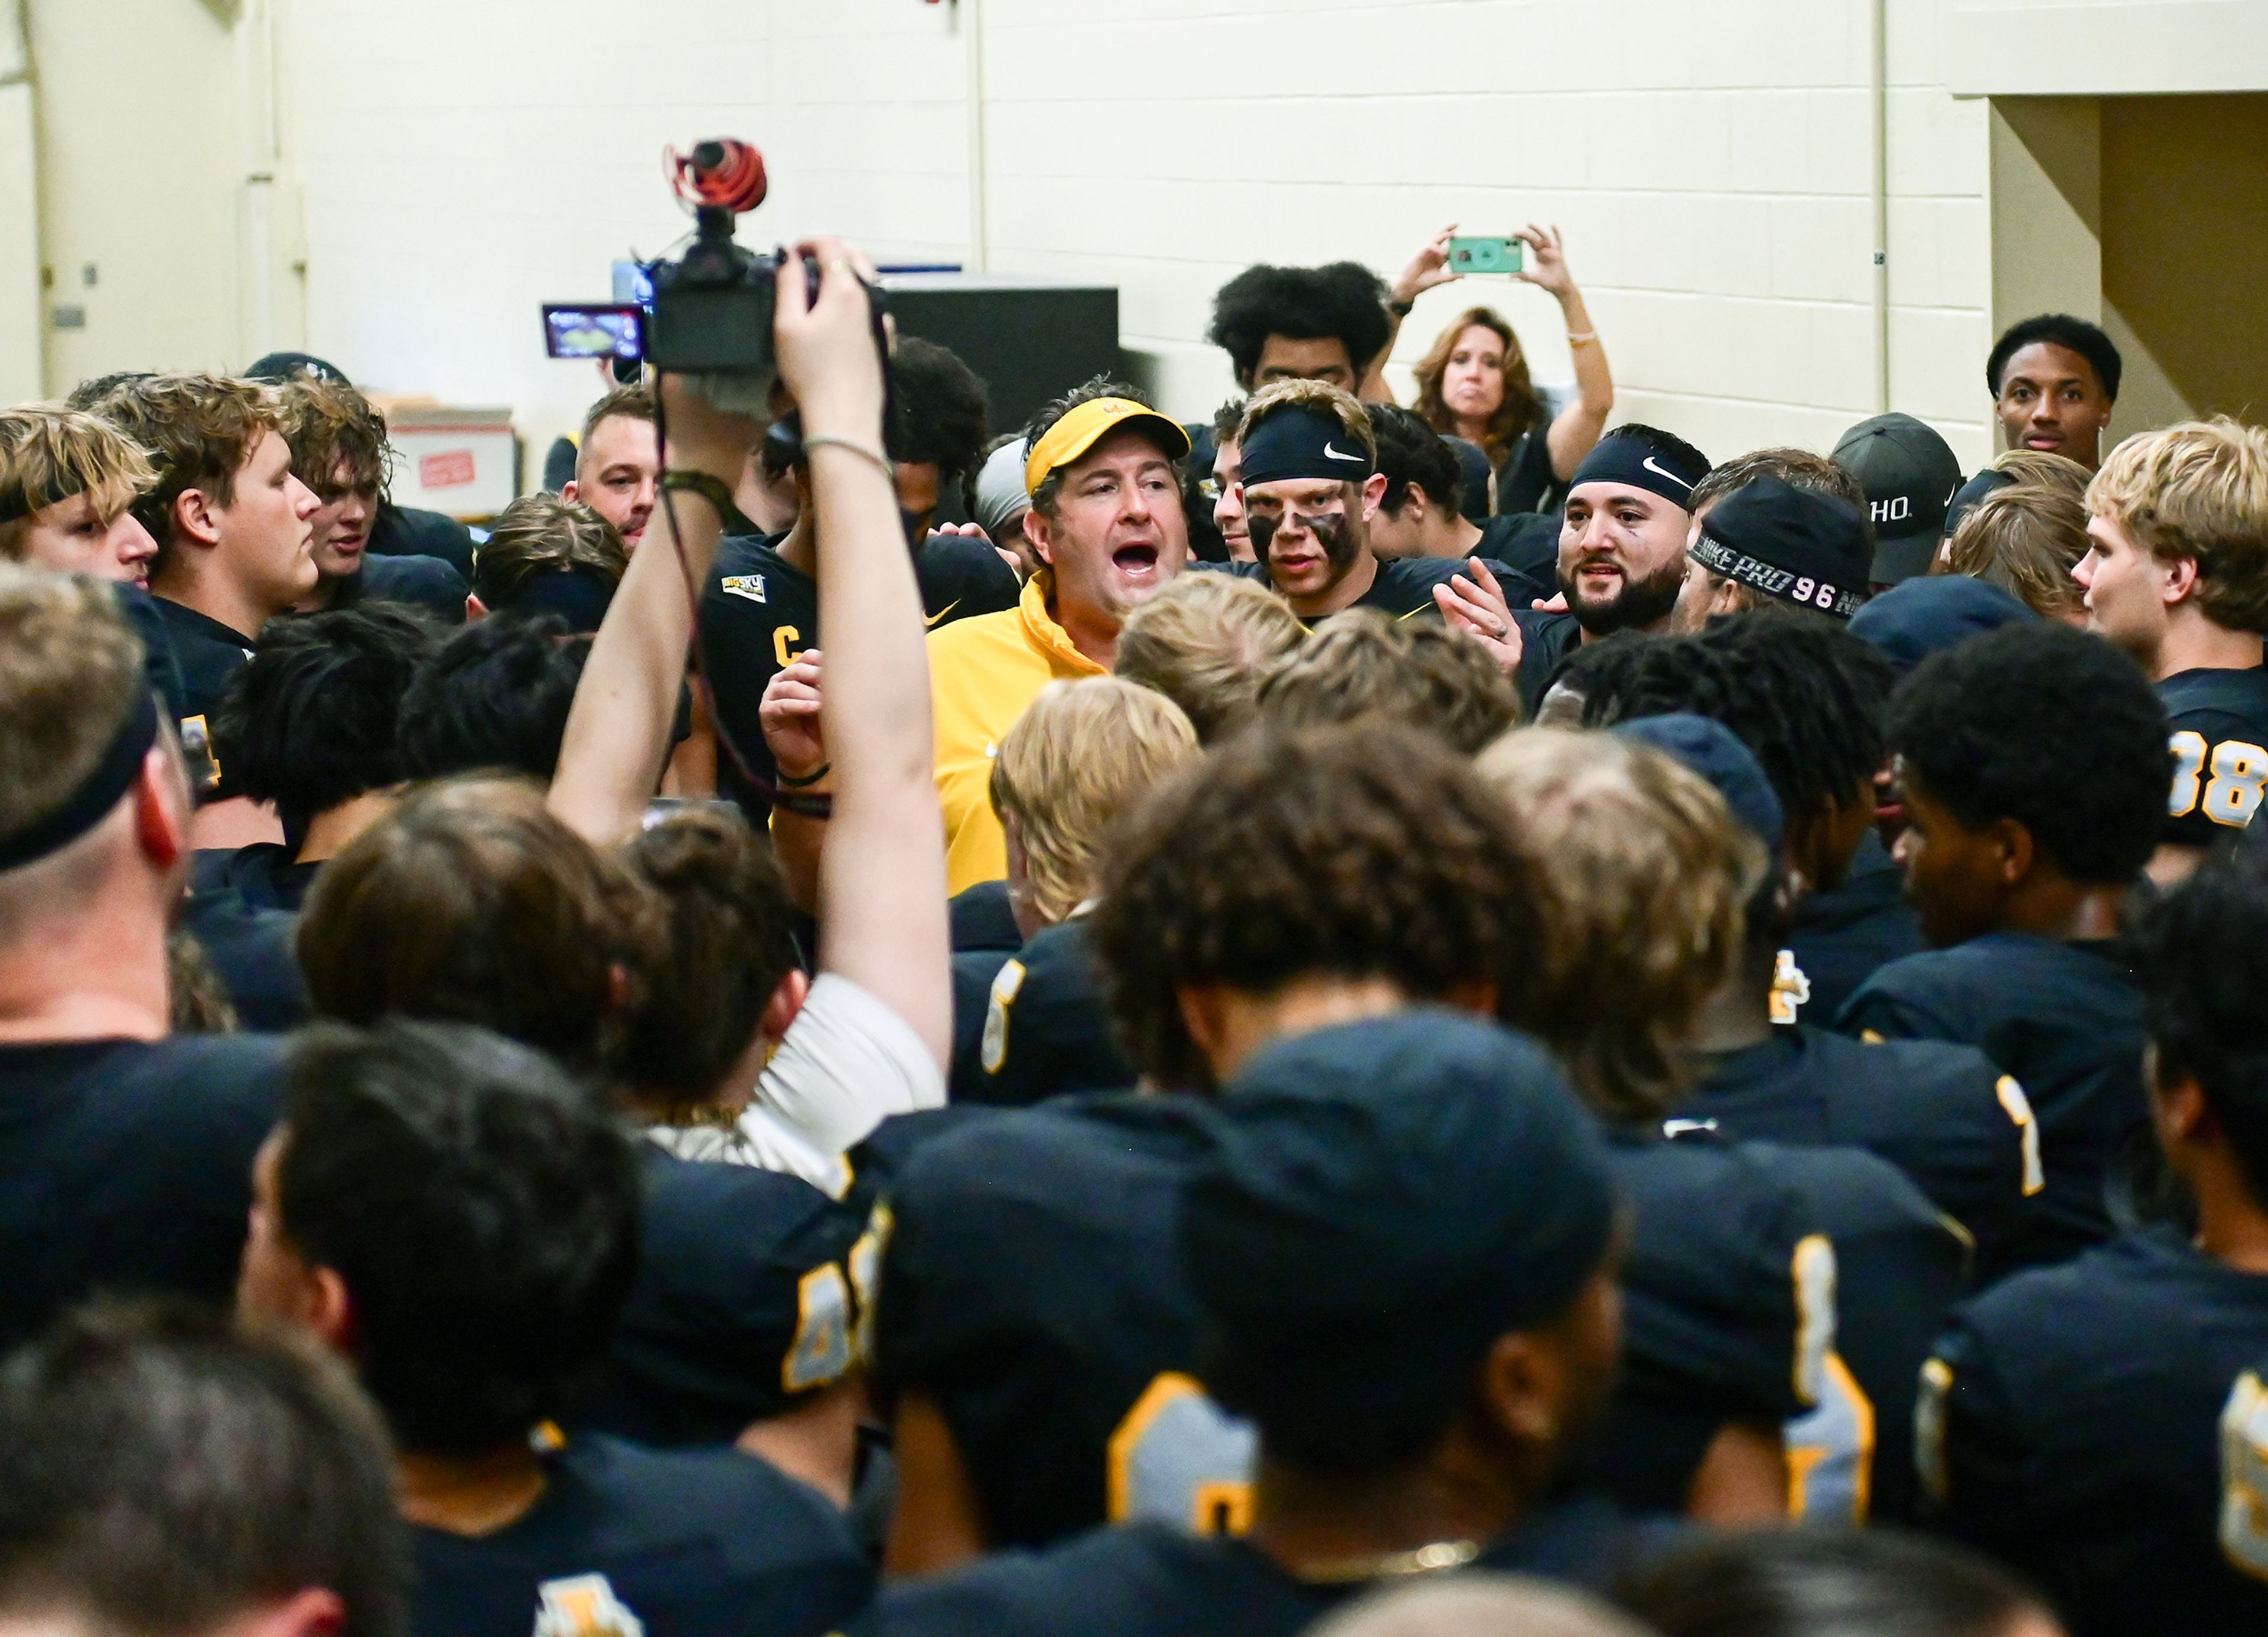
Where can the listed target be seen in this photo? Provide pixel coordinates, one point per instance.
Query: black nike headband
(1634, 462)
(99, 792)
(1301, 442)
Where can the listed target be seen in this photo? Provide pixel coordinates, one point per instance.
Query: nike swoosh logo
(931, 622)
(1335, 455)
(1659, 470)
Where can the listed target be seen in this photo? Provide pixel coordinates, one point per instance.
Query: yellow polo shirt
(983, 673)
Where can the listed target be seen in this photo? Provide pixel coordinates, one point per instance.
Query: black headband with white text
(108, 780)
(1301, 442)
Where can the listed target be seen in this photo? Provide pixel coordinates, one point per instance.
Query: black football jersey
(759, 613)
(1841, 938)
(625, 1541)
(1149, 1580)
(1045, 1031)
(749, 1295)
(2077, 1423)
(1545, 640)
(1728, 1310)
(1944, 1114)
(2220, 724)
(1031, 1285)
(2066, 1019)
(1900, 1263)
(1404, 586)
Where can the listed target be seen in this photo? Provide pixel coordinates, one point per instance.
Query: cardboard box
(461, 461)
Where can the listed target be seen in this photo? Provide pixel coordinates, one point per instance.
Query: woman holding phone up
(1474, 383)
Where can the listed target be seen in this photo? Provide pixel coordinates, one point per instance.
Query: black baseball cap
(1792, 545)
(1382, 1200)
(283, 366)
(1710, 749)
(1909, 474)
(1988, 481)
(1925, 616)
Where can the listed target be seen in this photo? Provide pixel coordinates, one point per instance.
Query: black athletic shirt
(126, 1166)
(162, 670)
(210, 655)
(1944, 1114)
(1045, 1029)
(759, 612)
(1900, 1263)
(2072, 1426)
(625, 1541)
(2065, 1020)
(747, 1299)
(407, 532)
(265, 873)
(1527, 542)
(426, 582)
(1841, 937)
(1404, 586)
(1545, 640)
(2220, 722)
(1031, 1286)
(1148, 1580)
(1728, 1307)
(254, 951)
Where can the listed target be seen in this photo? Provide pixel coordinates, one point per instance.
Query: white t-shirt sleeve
(847, 1063)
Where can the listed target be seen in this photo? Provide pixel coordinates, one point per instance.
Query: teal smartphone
(1487, 255)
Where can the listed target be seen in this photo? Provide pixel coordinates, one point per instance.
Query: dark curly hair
(2201, 955)
(311, 720)
(939, 410)
(1367, 663)
(2048, 726)
(1344, 301)
(1806, 696)
(726, 940)
(1363, 851)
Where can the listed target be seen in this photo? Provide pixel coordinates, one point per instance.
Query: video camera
(712, 307)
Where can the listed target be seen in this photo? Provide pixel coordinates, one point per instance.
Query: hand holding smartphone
(1469, 255)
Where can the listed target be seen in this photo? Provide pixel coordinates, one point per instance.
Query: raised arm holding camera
(873, 1040)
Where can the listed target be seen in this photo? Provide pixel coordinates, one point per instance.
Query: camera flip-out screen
(603, 332)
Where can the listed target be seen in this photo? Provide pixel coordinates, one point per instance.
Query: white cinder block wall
(463, 160)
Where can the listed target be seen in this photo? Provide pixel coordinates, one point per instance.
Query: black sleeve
(960, 575)
(1982, 1475)
(737, 647)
